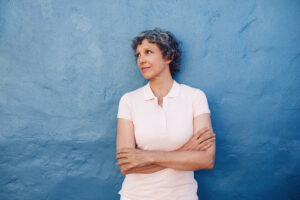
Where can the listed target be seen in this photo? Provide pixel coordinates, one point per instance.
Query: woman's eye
(148, 51)
(137, 55)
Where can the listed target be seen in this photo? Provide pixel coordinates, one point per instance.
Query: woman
(164, 128)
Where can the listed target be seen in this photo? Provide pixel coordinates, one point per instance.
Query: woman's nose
(141, 59)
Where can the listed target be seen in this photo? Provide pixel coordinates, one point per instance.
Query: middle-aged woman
(164, 129)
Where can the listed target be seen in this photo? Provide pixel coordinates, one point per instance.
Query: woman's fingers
(121, 155)
(207, 146)
(125, 168)
(208, 137)
(204, 148)
(124, 160)
(200, 136)
(201, 132)
(204, 145)
(199, 140)
(124, 150)
(125, 153)
(205, 133)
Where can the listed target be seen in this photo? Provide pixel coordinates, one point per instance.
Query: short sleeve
(124, 110)
(200, 104)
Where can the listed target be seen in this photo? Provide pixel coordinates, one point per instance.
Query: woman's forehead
(146, 44)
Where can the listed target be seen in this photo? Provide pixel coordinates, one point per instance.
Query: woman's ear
(169, 60)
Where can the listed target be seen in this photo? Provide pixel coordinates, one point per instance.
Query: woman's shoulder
(197, 97)
(187, 89)
(133, 94)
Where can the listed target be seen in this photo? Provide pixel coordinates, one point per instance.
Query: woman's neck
(161, 86)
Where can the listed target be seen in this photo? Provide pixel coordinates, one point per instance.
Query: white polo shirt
(163, 128)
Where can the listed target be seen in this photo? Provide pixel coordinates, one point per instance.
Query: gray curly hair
(166, 42)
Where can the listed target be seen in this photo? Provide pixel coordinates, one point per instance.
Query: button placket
(164, 110)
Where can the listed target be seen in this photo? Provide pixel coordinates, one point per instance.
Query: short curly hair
(166, 42)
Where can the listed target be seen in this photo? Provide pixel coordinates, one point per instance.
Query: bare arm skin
(197, 153)
(125, 134)
(201, 141)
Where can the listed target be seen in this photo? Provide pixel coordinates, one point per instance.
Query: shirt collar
(148, 94)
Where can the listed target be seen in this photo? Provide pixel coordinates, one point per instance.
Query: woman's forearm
(182, 160)
(148, 169)
(132, 160)
(176, 164)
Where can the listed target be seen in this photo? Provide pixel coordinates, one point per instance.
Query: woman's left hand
(129, 158)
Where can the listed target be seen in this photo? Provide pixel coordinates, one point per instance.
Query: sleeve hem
(200, 113)
(124, 117)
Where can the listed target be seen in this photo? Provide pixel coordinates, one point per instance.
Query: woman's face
(150, 60)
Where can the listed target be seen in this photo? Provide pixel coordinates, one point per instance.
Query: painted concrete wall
(65, 64)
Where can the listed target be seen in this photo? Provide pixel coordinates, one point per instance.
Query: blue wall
(65, 64)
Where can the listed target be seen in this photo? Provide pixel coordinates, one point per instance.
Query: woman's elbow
(211, 157)
(210, 162)
(206, 162)
(211, 165)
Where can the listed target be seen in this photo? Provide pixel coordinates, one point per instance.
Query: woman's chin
(147, 76)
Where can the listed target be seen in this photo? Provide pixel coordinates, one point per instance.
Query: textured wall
(65, 64)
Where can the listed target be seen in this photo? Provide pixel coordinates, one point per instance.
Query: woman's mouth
(145, 68)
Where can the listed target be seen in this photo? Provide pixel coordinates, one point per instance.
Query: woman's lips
(145, 68)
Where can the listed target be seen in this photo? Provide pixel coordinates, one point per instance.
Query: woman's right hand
(200, 141)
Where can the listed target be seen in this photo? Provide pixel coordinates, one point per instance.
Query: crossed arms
(197, 153)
